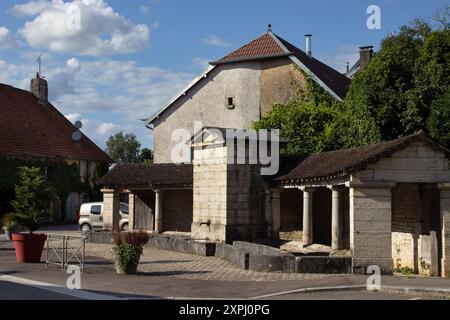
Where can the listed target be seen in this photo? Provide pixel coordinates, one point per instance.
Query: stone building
(241, 88)
(32, 129)
(370, 200)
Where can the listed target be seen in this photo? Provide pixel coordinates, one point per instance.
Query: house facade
(241, 88)
(33, 130)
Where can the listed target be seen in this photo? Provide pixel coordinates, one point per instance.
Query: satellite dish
(76, 136)
(78, 124)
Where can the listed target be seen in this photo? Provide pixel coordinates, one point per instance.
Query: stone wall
(370, 226)
(229, 199)
(254, 86)
(280, 81)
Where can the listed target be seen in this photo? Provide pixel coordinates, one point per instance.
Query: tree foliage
(33, 197)
(404, 88)
(123, 148)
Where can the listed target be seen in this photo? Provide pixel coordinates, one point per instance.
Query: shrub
(127, 250)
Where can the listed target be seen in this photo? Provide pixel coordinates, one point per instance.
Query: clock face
(76, 136)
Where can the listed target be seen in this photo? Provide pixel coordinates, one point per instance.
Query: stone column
(111, 209)
(445, 228)
(158, 211)
(307, 215)
(276, 213)
(370, 225)
(336, 218)
(131, 210)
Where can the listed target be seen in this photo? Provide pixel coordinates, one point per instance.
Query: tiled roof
(262, 47)
(30, 128)
(147, 176)
(270, 45)
(335, 164)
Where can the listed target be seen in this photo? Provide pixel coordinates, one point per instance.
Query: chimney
(39, 88)
(365, 55)
(308, 44)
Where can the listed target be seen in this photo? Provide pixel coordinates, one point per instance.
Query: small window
(230, 102)
(96, 210)
(124, 208)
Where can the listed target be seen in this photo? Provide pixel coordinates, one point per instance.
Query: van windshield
(124, 208)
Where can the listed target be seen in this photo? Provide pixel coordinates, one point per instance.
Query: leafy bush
(128, 248)
(33, 197)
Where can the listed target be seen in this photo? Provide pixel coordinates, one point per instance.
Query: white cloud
(201, 63)
(144, 10)
(107, 95)
(30, 8)
(215, 40)
(73, 64)
(86, 27)
(7, 41)
(96, 130)
(341, 55)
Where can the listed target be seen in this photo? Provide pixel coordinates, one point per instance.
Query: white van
(90, 216)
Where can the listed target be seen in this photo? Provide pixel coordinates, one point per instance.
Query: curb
(407, 290)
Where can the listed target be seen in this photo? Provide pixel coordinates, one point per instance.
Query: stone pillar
(111, 209)
(336, 217)
(370, 226)
(158, 211)
(445, 228)
(131, 210)
(307, 215)
(276, 213)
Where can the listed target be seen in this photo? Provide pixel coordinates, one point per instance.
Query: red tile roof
(262, 47)
(30, 128)
(270, 45)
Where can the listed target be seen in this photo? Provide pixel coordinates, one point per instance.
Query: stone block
(324, 265)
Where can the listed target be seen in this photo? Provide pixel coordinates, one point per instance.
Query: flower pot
(29, 247)
(130, 268)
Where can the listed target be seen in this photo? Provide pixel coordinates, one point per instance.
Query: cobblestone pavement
(186, 266)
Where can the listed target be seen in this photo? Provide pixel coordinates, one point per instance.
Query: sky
(117, 61)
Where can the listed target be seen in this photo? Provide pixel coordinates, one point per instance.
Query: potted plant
(8, 226)
(127, 250)
(32, 206)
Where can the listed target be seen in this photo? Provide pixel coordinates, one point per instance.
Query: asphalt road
(14, 291)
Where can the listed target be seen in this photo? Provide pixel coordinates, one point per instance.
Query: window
(124, 208)
(230, 102)
(96, 210)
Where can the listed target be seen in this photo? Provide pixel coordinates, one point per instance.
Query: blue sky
(128, 58)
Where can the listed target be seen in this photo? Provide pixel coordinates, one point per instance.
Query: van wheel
(125, 227)
(85, 228)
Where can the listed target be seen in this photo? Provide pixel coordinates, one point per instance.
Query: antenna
(39, 63)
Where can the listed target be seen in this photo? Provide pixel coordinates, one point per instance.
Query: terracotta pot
(130, 268)
(29, 247)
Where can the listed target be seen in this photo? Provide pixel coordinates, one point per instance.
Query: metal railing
(63, 250)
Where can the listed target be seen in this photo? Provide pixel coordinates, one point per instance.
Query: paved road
(14, 291)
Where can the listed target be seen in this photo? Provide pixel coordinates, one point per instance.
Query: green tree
(146, 156)
(33, 197)
(123, 148)
(402, 88)
(307, 122)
